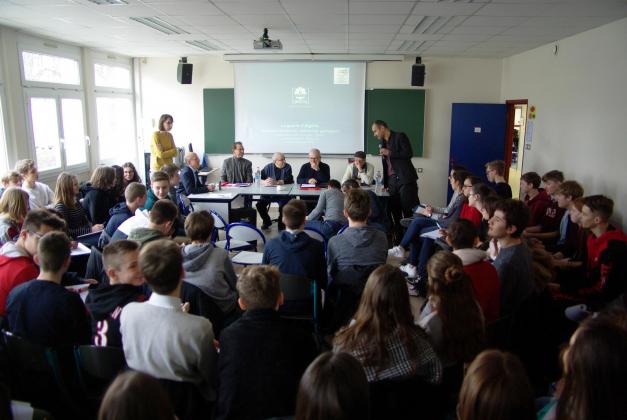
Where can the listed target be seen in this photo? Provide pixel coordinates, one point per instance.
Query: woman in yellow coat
(162, 147)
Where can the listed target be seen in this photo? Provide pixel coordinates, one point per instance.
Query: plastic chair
(318, 236)
(97, 368)
(220, 224)
(301, 298)
(186, 399)
(398, 398)
(243, 236)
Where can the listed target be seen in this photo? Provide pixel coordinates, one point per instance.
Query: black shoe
(266, 226)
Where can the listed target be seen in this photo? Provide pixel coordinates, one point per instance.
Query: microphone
(381, 144)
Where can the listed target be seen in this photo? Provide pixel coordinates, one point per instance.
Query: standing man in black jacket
(399, 174)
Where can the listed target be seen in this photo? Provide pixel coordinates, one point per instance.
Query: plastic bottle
(257, 177)
(378, 181)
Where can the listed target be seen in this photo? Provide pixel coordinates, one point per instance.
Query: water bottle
(257, 177)
(378, 180)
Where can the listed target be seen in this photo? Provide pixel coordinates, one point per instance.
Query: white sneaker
(397, 251)
(409, 269)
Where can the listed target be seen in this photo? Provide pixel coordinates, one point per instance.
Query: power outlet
(419, 170)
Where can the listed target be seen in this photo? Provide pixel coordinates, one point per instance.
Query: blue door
(477, 136)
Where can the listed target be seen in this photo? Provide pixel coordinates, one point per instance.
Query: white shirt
(165, 342)
(40, 196)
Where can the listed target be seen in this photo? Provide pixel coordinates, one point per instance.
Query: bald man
(315, 171)
(276, 173)
(190, 181)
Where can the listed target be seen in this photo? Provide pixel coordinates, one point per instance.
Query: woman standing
(162, 147)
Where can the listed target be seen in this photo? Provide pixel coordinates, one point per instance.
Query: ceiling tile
(446, 9)
(478, 30)
(495, 20)
(256, 7)
(375, 19)
(374, 28)
(186, 7)
(514, 9)
(380, 7)
(205, 20)
(304, 7)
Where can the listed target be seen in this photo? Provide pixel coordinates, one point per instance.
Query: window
(50, 69)
(58, 130)
(115, 126)
(112, 76)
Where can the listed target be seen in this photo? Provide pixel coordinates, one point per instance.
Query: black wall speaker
(184, 72)
(418, 73)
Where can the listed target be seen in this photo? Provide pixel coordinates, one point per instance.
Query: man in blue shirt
(276, 173)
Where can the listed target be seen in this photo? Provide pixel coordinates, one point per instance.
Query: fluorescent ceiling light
(160, 25)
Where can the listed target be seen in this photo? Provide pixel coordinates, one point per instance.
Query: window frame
(58, 95)
(33, 45)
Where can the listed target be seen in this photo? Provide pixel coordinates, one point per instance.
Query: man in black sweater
(399, 174)
(262, 356)
(314, 172)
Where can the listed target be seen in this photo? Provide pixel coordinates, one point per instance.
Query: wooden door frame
(509, 132)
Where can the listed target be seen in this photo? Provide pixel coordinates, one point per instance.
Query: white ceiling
(467, 28)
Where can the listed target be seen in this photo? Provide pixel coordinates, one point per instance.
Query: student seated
(378, 218)
(595, 374)
(468, 211)
(44, 312)
(462, 236)
(66, 202)
(276, 173)
(40, 194)
(535, 197)
(11, 179)
(262, 356)
(331, 204)
(513, 261)
(161, 220)
(548, 228)
(452, 317)
(360, 170)
(359, 244)
(207, 267)
(106, 302)
(117, 191)
(130, 174)
(159, 188)
(176, 194)
(314, 172)
(13, 210)
(383, 336)
(136, 396)
(293, 251)
(334, 386)
(483, 198)
(178, 347)
(433, 212)
(422, 248)
(190, 181)
(98, 199)
(237, 169)
(496, 386)
(135, 198)
(495, 172)
(566, 193)
(17, 259)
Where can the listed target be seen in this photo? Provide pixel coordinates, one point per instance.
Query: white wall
(580, 98)
(448, 81)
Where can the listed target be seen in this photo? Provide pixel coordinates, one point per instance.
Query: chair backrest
(398, 398)
(100, 362)
(187, 401)
(315, 234)
(218, 221)
(300, 298)
(244, 232)
(342, 229)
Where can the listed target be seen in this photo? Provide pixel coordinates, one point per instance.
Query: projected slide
(292, 107)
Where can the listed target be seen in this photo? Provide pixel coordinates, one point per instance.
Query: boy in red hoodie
(606, 267)
(463, 236)
(17, 263)
(535, 198)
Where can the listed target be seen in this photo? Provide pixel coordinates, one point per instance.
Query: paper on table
(434, 234)
(211, 195)
(308, 185)
(81, 249)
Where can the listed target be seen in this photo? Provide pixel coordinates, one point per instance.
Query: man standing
(276, 173)
(399, 174)
(237, 169)
(359, 170)
(314, 172)
(190, 181)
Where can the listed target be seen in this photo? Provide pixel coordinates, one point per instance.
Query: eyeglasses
(36, 234)
(314, 158)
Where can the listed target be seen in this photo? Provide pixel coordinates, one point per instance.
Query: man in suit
(262, 356)
(399, 174)
(190, 181)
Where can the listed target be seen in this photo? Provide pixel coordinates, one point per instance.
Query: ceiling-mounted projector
(265, 42)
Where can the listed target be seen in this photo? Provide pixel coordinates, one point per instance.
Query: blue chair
(318, 236)
(301, 301)
(342, 229)
(242, 236)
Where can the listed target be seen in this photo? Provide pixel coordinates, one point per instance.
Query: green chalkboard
(402, 110)
(219, 106)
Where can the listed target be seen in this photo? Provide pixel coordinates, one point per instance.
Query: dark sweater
(117, 216)
(47, 314)
(262, 358)
(297, 254)
(77, 222)
(513, 265)
(323, 175)
(97, 203)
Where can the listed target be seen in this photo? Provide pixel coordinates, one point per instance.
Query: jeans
(327, 227)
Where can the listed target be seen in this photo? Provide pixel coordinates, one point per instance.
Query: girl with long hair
(130, 174)
(452, 317)
(383, 336)
(98, 199)
(66, 195)
(13, 209)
